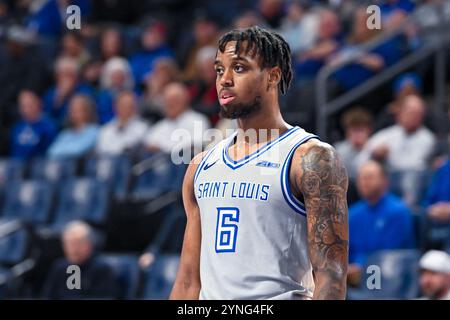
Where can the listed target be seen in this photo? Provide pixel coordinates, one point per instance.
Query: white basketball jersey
(254, 241)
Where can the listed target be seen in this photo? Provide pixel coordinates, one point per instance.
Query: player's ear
(274, 76)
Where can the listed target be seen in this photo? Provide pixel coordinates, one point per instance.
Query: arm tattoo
(324, 185)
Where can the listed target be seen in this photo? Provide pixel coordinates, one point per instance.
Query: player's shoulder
(315, 148)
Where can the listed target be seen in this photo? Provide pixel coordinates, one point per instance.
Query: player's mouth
(226, 97)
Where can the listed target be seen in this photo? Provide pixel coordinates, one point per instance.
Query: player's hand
(380, 152)
(440, 211)
(146, 260)
(353, 275)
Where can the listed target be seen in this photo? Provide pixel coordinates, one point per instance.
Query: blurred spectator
(205, 33)
(164, 72)
(21, 68)
(404, 85)
(299, 28)
(46, 17)
(271, 11)
(406, 148)
(180, 120)
(81, 135)
(357, 124)
(366, 64)
(435, 275)
(394, 12)
(73, 47)
(57, 98)
(154, 46)
(438, 195)
(125, 132)
(97, 279)
(327, 43)
(116, 76)
(248, 19)
(111, 46)
(203, 88)
(379, 221)
(32, 135)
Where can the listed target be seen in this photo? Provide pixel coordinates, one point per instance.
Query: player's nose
(227, 79)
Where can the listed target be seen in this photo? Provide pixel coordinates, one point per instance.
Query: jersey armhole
(291, 200)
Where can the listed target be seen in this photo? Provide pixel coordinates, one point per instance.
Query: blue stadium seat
(160, 276)
(14, 247)
(127, 270)
(399, 276)
(84, 198)
(29, 201)
(53, 170)
(113, 170)
(162, 177)
(11, 170)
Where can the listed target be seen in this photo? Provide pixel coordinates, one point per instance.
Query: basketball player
(262, 225)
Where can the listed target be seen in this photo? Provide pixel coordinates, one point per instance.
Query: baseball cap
(435, 260)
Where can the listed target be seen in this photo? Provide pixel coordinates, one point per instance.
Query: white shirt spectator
(114, 139)
(407, 152)
(164, 136)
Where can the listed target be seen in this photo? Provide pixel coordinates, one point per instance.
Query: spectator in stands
(357, 124)
(328, 42)
(150, 105)
(379, 221)
(404, 85)
(271, 12)
(248, 19)
(154, 46)
(405, 147)
(81, 135)
(32, 135)
(56, 99)
(181, 121)
(437, 201)
(394, 12)
(299, 27)
(205, 33)
(46, 17)
(21, 68)
(125, 132)
(97, 279)
(435, 275)
(203, 88)
(116, 76)
(364, 65)
(111, 46)
(73, 47)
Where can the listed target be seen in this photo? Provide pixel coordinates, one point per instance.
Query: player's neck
(264, 121)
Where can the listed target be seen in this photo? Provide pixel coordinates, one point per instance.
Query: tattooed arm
(320, 176)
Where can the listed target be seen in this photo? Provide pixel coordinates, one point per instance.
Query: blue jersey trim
(202, 164)
(233, 164)
(291, 200)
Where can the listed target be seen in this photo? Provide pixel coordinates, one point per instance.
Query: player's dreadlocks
(269, 46)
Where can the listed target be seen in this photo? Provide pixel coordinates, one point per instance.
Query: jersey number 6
(227, 229)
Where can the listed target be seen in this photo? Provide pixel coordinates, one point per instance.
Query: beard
(241, 110)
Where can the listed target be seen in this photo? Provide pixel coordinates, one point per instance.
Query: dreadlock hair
(271, 49)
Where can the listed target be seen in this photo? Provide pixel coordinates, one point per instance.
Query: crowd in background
(138, 70)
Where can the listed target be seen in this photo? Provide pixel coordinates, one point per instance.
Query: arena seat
(29, 201)
(127, 269)
(399, 276)
(113, 170)
(160, 276)
(14, 244)
(53, 170)
(82, 198)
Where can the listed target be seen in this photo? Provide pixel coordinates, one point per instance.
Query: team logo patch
(268, 164)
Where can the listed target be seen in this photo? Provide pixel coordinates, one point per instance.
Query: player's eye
(238, 68)
(219, 71)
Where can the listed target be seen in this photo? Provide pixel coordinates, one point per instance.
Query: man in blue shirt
(32, 135)
(379, 221)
